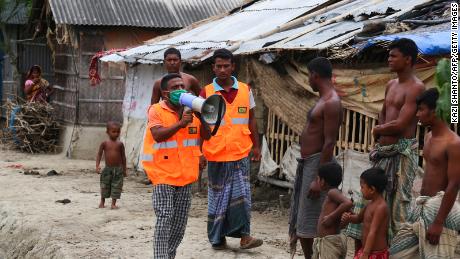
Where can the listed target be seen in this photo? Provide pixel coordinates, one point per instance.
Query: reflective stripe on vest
(191, 142)
(165, 145)
(175, 160)
(222, 122)
(233, 140)
(146, 157)
(239, 121)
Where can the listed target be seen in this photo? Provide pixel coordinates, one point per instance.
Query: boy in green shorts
(115, 165)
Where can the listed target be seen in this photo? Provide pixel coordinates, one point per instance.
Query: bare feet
(114, 207)
(102, 203)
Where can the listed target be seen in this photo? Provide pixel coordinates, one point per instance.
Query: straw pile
(31, 127)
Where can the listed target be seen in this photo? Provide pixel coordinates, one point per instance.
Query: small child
(115, 165)
(330, 244)
(374, 216)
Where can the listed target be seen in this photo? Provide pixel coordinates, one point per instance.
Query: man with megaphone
(171, 158)
(227, 152)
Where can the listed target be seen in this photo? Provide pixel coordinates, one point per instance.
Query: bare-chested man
(317, 147)
(436, 216)
(172, 62)
(396, 149)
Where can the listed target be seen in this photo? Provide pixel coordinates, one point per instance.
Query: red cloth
(94, 77)
(374, 255)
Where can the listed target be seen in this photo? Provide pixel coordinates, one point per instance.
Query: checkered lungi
(171, 205)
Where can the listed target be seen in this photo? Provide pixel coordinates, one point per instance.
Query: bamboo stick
(277, 143)
(282, 141)
(353, 131)
(272, 135)
(366, 134)
(347, 123)
(374, 122)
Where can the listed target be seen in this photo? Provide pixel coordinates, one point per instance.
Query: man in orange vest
(229, 193)
(171, 158)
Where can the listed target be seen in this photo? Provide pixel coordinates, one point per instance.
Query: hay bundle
(31, 127)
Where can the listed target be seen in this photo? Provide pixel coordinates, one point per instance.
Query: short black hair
(113, 124)
(322, 66)
(331, 173)
(429, 98)
(223, 54)
(172, 51)
(407, 47)
(375, 177)
(165, 80)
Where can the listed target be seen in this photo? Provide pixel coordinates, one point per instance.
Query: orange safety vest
(232, 141)
(176, 160)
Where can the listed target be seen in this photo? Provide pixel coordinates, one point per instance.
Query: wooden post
(353, 132)
(272, 135)
(366, 135)
(374, 122)
(277, 143)
(282, 141)
(347, 123)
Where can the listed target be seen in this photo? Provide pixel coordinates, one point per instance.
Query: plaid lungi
(400, 162)
(229, 200)
(171, 205)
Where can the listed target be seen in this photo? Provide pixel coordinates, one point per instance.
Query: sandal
(252, 244)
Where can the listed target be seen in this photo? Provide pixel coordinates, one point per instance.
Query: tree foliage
(443, 85)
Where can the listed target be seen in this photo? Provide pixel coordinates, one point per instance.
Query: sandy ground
(34, 225)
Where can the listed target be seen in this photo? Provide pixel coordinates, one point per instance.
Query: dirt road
(34, 225)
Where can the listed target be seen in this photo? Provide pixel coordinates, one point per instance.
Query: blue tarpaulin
(436, 42)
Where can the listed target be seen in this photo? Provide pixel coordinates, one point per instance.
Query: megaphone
(212, 109)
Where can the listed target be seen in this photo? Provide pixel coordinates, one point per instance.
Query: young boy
(374, 216)
(329, 243)
(115, 165)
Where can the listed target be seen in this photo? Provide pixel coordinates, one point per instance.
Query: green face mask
(174, 96)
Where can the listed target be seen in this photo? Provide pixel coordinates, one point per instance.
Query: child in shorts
(374, 216)
(330, 244)
(115, 165)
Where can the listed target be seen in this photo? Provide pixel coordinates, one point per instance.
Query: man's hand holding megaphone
(186, 118)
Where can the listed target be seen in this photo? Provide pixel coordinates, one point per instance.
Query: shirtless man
(396, 151)
(172, 62)
(317, 147)
(440, 187)
(111, 179)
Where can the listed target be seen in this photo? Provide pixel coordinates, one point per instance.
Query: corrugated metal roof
(19, 18)
(338, 27)
(255, 29)
(256, 20)
(139, 13)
